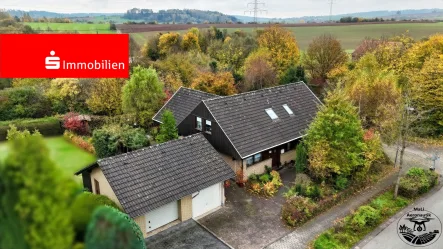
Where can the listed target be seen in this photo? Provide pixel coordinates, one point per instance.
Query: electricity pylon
(256, 9)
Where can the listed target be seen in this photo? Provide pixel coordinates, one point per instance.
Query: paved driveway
(248, 221)
(186, 235)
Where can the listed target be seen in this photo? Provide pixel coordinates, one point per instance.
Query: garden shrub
(23, 102)
(81, 142)
(115, 139)
(253, 177)
(49, 126)
(326, 241)
(73, 123)
(276, 179)
(269, 189)
(301, 158)
(83, 208)
(265, 178)
(266, 184)
(354, 227)
(78, 246)
(297, 210)
(110, 228)
(417, 181)
(364, 217)
(341, 183)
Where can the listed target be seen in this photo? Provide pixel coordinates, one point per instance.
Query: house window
(257, 158)
(97, 187)
(271, 114)
(208, 126)
(254, 159)
(288, 110)
(199, 124)
(282, 151)
(249, 161)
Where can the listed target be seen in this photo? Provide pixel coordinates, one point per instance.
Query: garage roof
(148, 178)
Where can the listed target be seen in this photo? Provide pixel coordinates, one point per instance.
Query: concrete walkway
(300, 238)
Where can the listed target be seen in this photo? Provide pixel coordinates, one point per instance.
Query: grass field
(66, 155)
(350, 36)
(82, 28)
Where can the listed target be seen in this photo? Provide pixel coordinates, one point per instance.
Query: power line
(331, 2)
(256, 9)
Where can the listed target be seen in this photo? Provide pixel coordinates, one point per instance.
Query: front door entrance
(275, 158)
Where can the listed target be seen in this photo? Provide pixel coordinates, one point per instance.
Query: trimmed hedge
(49, 126)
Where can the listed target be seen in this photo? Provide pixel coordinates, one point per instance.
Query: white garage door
(206, 200)
(161, 216)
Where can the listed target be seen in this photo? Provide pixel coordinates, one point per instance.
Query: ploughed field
(350, 35)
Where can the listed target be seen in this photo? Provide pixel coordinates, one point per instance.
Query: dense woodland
(178, 16)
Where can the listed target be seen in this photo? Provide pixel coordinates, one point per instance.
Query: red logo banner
(64, 55)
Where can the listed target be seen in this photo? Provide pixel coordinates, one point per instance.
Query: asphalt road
(388, 238)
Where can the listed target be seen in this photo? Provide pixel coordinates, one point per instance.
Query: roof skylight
(271, 114)
(290, 112)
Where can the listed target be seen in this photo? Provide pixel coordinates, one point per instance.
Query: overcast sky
(276, 8)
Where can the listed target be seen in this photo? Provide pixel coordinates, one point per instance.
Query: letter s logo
(52, 62)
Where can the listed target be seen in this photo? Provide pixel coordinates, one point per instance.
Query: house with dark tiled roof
(164, 184)
(181, 104)
(254, 129)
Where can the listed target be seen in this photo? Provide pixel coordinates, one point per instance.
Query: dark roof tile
(250, 129)
(182, 103)
(148, 178)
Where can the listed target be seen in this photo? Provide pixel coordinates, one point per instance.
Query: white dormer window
(271, 114)
(288, 110)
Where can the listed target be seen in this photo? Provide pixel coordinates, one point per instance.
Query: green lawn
(66, 155)
(82, 28)
(350, 35)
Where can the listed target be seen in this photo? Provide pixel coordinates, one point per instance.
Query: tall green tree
(293, 74)
(168, 128)
(112, 229)
(143, 94)
(301, 158)
(38, 195)
(335, 139)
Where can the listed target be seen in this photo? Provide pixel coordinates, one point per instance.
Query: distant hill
(47, 14)
(429, 14)
(202, 16)
(178, 16)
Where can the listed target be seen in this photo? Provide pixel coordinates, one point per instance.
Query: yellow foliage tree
(190, 42)
(169, 42)
(427, 93)
(221, 83)
(34, 82)
(373, 90)
(282, 45)
(105, 97)
(65, 91)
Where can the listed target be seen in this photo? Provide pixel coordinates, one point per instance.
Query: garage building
(162, 185)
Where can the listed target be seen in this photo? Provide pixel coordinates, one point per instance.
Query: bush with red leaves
(73, 122)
